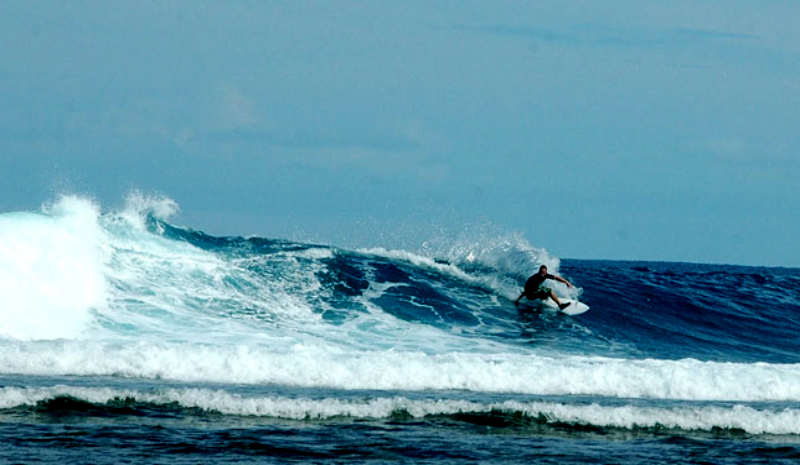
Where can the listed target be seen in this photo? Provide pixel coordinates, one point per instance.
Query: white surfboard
(575, 307)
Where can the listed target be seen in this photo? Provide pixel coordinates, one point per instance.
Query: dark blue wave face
(642, 310)
(710, 312)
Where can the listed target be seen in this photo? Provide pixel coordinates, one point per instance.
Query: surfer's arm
(519, 298)
(560, 279)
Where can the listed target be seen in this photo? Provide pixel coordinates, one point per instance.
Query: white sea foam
(52, 270)
(754, 420)
(331, 366)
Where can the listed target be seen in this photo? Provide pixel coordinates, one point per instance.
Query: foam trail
(506, 261)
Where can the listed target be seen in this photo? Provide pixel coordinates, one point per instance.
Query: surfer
(535, 289)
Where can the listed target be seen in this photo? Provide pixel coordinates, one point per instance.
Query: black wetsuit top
(534, 283)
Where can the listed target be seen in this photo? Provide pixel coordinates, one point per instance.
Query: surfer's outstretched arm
(516, 302)
(560, 279)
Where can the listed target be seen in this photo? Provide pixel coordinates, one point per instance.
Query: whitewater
(122, 318)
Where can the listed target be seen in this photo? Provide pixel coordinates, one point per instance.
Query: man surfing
(535, 289)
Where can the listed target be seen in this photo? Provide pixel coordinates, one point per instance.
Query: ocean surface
(125, 338)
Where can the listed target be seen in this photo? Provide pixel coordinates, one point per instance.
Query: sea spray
(52, 270)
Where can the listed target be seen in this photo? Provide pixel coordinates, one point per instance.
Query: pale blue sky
(622, 129)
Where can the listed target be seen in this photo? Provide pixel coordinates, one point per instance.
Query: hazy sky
(601, 129)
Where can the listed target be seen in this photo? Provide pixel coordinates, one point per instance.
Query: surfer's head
(542, 269)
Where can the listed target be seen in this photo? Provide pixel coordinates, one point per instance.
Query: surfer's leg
(558, 302)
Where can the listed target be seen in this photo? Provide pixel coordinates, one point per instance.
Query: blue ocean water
(126, 338)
